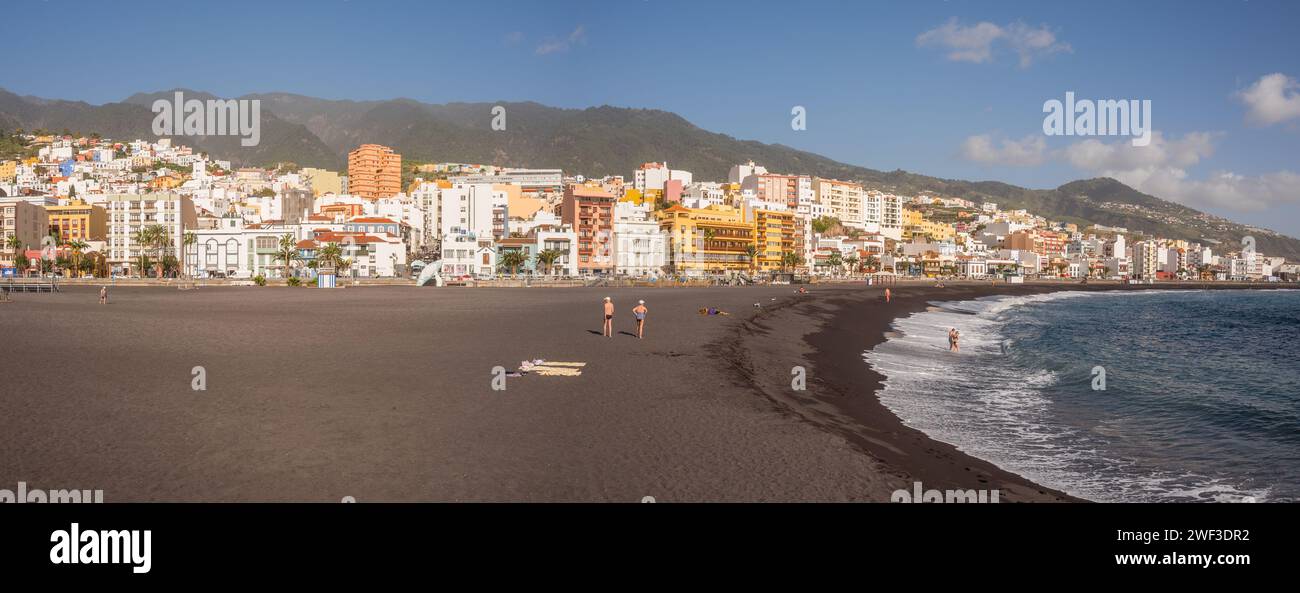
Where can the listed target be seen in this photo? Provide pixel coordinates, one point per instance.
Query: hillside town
(75, 207)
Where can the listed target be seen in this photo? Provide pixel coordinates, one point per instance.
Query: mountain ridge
(602, 140)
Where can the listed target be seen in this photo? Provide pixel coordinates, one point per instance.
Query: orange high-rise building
(374, 172)
(589, 210)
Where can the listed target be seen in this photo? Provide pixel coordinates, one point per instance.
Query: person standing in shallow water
(953, 337)
(886, 295)
(639, 312)
(608, 329)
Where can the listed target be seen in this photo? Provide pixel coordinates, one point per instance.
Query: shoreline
(839, 325)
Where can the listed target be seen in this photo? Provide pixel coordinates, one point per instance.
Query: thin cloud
(980, 43)
(1025, 152)
(1160, 169)
(577, 37)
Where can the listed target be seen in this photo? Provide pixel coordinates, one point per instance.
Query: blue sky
(952, 89)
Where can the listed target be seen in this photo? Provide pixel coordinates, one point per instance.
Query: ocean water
(1201, 398)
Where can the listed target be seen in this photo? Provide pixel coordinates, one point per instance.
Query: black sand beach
(385, 394)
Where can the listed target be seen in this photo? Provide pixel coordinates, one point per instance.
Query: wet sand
(385, 394)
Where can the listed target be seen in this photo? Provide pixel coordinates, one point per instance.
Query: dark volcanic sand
(384, 394)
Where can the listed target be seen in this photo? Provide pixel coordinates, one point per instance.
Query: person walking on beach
(886, 296)
(608, 330)
(639, 312)
(953, 337)
(103, 295)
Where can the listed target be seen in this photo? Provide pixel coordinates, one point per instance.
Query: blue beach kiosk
(325, 278)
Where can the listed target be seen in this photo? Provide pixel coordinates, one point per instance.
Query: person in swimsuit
(953, 337)
(608, 330)
(103, 295)
(887, 295)
(639, 312)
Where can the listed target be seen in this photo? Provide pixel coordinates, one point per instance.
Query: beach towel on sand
(552, 368)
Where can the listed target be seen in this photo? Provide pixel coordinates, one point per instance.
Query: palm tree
(512, 260)
(751, 252)
(87, 265)
(547, 258)
(145, 264)
(171, 265)
(16, 245)
(287, 251)
(852, 260)
(835, 261)
(78, 247)
(188, 240)
(329, 255)
(152, 237)
(791, 260)
(21, 263)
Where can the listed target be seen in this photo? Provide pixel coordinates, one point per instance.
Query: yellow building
(322, 181)
(915, 223)
(79, 221)
(633, 195)
(774, 236)
(708, 240)
(8, 171)
(166, 182)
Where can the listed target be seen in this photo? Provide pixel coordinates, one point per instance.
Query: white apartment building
(370, 256)
(406, 210)
(428, 200)
(128, 214)
(702, 194)
(653, 176)
(640, 247)
(842, 200)
(883, 213)
(1198, 256)
(564, 240)
(1174, 260)
(1146, 259)
(739, 173)
(466, 254)
(478, 208)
